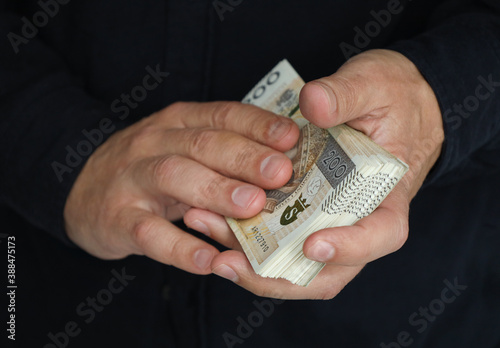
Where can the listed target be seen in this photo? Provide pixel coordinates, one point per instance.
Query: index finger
(265, 127)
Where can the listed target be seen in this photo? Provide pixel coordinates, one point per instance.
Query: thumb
(341, 97)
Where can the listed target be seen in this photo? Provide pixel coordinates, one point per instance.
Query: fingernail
(243, 196)
(202, 258)
(321, 251)
(200, 227)
(271, 166)
(279, 129)
(227, 272)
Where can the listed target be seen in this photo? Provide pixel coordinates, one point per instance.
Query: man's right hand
(213, 156)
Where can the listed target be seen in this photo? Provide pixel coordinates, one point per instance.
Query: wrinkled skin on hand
(212, 156)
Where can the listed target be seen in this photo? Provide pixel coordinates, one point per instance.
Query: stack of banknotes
(339, 176)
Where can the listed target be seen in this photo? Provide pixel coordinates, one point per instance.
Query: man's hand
(214, 156)
(382, 94)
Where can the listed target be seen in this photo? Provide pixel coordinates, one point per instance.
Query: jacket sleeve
(460, 58)
(49, 126)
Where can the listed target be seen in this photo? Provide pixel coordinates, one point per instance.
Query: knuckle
(240, 161)
(363, 252)
(142, 135)
(326, 294)
(273, 124)
(348, 96)
(208, 193)
(174, 114)
(109, 249)
(164, 169)
(335, 286)
(349, 247)
(200, 140)
(221, 113)
(402, 232)
(174, 251)
(176, 108)
(270, 293)
(141, 232)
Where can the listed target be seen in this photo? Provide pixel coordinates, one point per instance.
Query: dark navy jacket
(65, 67)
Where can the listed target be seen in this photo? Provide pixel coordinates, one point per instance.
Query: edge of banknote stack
(339, 176)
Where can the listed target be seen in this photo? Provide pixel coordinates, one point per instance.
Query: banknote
(339, 176)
